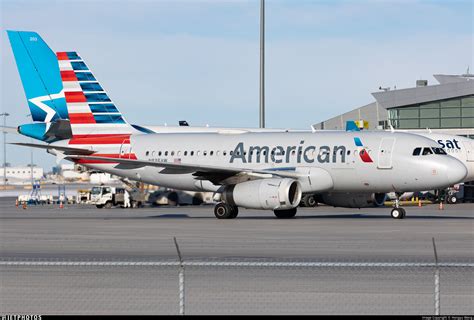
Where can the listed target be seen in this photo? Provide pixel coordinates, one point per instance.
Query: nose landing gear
(398, 212)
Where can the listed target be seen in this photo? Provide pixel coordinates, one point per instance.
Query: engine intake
(264, 194)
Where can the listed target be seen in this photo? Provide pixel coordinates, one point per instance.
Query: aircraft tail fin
(91, 111)
(39, 73)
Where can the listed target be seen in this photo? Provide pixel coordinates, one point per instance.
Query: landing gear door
(469, 146)
(385, 153)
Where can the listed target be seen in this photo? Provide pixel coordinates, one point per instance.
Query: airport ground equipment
(108, 197)
(83, 196)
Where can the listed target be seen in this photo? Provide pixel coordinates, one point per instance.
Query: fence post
(436, 278)
(180, 279)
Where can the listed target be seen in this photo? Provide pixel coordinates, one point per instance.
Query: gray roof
(405, 97)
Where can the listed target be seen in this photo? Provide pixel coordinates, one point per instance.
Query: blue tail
(39, 72)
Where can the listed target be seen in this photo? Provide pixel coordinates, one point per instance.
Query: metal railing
(235, 287)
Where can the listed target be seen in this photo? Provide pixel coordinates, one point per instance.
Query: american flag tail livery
(95, 119)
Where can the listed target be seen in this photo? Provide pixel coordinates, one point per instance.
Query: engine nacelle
(352, 200)
(264, 194)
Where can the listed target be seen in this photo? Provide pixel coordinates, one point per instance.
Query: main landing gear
(398, 212)
(225, 211)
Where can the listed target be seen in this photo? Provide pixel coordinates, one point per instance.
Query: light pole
(4, 115)
(262, 63)
(31, 157)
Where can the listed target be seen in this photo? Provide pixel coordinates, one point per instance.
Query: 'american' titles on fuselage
(284, 154)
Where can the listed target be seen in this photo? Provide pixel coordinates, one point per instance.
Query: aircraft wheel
(310, 201)
(285, 214)
(235, 212)
(452, 199)
(223, 211)
(398, 213)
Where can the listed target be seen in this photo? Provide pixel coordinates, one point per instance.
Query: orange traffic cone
(419, 203)
(441, 206)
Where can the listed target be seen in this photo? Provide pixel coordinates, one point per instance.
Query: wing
(215, 174)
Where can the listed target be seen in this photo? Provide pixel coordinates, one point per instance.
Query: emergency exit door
(386, 153)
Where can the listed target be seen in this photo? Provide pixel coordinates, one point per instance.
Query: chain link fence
(234, 287)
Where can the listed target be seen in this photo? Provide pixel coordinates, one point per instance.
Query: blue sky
(165, 61)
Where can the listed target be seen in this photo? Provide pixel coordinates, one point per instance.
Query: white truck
(108, 197)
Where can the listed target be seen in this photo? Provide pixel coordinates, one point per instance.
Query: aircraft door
(385, 153)
(469, 146)
(125, 149)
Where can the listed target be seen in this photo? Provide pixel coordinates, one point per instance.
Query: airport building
(446, 107)
(18, 175)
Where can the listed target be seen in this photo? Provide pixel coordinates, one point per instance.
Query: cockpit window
(427, 151)
(417, 151)
(439, 150)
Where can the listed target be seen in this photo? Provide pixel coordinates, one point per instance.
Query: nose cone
(457, 172)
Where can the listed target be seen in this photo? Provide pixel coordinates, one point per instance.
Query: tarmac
(84, 233)
(322, 233)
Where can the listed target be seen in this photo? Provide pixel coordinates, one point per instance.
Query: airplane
(258, 170)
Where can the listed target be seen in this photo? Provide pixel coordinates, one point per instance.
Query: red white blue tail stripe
(95, 120)
(90, 109)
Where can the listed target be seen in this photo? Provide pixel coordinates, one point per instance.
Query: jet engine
(270, 194)
(353, 200)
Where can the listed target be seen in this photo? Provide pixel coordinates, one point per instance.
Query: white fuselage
(459, 147)
(325, 161)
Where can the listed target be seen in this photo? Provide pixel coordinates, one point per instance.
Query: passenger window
(185, 153)
(427, 151)
(224, 153)
(166, 153)
(192, 153)
(417, 151)
(147, 153)
(211, 153)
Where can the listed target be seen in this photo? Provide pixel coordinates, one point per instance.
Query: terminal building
(446, 107)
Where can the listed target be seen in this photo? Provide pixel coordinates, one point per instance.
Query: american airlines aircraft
(260, 170)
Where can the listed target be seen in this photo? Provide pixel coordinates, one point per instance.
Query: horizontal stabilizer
(66, 150)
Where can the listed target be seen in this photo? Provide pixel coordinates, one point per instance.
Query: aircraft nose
(457, 171)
